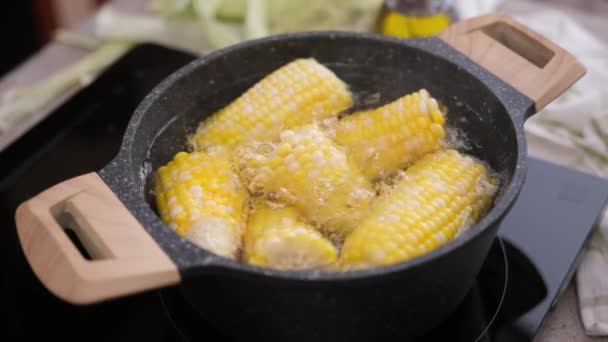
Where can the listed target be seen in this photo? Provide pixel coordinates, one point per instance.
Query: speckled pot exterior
(397, 301)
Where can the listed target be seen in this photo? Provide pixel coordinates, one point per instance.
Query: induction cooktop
(529, 265)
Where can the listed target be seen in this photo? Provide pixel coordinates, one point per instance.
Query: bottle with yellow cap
(414, 18)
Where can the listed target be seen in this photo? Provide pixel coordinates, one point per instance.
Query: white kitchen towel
(592, 282)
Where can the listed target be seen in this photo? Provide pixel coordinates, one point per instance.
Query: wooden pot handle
(124, 259)
(526, 60)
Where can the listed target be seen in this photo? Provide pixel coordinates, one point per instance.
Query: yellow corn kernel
(391, 137)
(307, 170)
(199, 196)
(300, 92)
(439, 196)
(278, 238)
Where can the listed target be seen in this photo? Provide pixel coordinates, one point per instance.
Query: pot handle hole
(523, 58)
(116, 257)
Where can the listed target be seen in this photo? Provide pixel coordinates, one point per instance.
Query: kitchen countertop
(563, 324)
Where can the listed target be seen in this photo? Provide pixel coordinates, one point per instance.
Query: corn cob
(298, 93)
(307, 170)
(386, 139)
(198, 195)
(439, 196)
(279, 238)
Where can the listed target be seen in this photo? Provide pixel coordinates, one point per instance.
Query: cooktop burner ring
(182, 318)
(504, 289)
(166, 311)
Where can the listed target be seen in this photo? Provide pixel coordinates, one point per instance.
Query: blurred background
(36, 22)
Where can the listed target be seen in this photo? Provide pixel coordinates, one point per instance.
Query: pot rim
(501, 206)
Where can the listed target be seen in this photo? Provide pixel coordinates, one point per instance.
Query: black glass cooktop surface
(524, 272)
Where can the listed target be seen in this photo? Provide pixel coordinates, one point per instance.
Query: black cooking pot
(491, 73)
